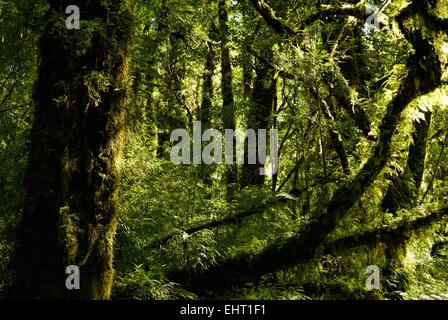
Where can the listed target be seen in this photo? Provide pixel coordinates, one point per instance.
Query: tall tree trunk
(172, 39)
(71, 182)
(207, 89)
(228, 106)
(247, 59)
(260, 114)
(207, 94)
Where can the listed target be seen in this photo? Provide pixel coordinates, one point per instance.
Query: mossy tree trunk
(246, 56)
(71, 183)
(207, 89)
(404, 188)
(403, 192)
(260, 113)
(173, 112)
(228, 105)
(205, 111)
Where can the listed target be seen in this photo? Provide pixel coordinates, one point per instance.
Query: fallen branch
(217, 223)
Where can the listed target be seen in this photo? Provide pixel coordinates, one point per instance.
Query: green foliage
(141, 284)
(330, 77)
(18, 55)
(159, 199)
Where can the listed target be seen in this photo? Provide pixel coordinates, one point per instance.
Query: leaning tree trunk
(404, 188)
(71, 182)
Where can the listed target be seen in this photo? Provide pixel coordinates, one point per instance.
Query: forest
(223, 150)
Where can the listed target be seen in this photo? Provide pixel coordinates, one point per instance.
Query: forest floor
(431, 281)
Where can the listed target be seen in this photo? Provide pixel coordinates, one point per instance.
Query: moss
(68, 235)
(72, 177)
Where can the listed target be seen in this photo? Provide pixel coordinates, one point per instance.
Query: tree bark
(260, 114)
(228, 106)
(71, 183)
(404, 188)
(205, 111)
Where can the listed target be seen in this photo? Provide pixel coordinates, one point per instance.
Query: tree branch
(357, 11)
(223, 275)
(269, 15)
(423, 77)
(217, 223)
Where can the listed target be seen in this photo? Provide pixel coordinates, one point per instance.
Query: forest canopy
(341, 112)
